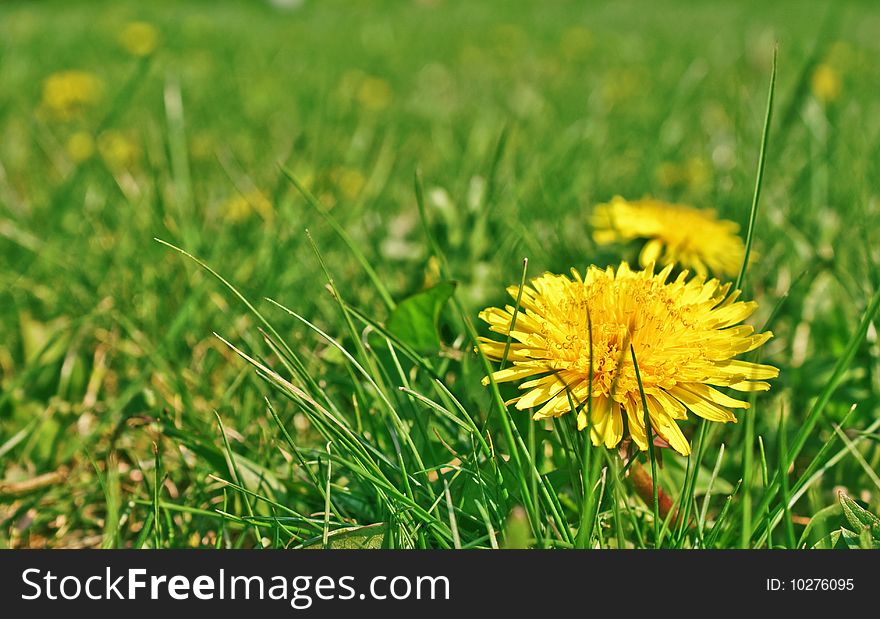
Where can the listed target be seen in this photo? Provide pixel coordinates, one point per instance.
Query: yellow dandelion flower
(69, 92)
(623, 85)
(139, 38)
(349, 181)
(692, 237)
(825, 83)
(374, 93)
(685, 335)
(242, 206)
(433, 274)
(694, 174)
(80, 146)
(117, 149)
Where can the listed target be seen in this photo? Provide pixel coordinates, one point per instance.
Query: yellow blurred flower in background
(374, 93)
(117, 149)
(694, 174)
(241, 207)
(623, 84)
(433, 273)
(139, 38)
(349, 181)
(67, 93)
(676, 233)
(825, 83)
(80, 146)
(571, 339)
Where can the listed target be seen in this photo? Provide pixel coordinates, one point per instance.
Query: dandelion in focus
(67, 93)
(139, 38)
(694, 238)
(825, 83)
(685, 335)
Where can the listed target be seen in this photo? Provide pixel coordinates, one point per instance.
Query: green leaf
(857, 516)
(414, 320)
(866, 539)
(369, 536)
(850, 539)
(829, 541)
(821, 518)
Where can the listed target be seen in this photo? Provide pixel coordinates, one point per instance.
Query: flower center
(622, 312)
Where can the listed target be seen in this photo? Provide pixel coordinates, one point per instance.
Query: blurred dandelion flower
(117, 149)
(695, 238)
(685, 335)
(139, 38)
(80, 146)
(433, 274)
(374, 93)
(825, 83)
(68, 92)
(622, 85)
(349, 181)
(242, 206)
(693, 174)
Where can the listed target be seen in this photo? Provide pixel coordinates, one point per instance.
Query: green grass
(253, 390)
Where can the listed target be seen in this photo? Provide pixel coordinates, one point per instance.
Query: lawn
(244, 247)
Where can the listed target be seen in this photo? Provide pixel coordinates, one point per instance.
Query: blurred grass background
(106, 336)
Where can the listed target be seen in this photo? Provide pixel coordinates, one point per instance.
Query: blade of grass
(157, 483)
(857, 455)
(708, 496)
(765, 480)
(585, 530)
(233, 470)
(326, 533)
(453, 524)
(783, 475)
(522, 285)
(760, 174)
(722, 518)
(687, 497)
(650, 439)
(747, 473)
